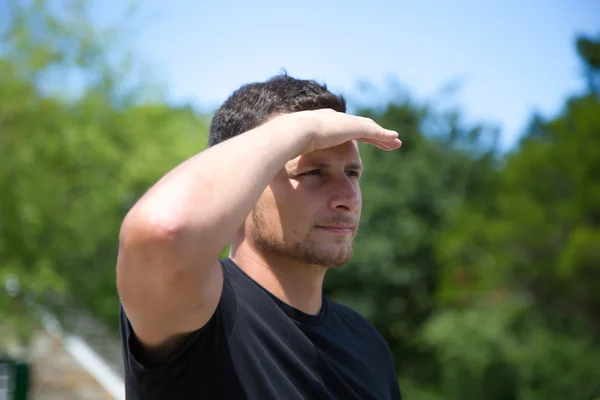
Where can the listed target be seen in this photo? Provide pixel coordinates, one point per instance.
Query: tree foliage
(525, 263)
(72, 165)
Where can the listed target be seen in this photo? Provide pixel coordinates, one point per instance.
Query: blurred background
(479, 252)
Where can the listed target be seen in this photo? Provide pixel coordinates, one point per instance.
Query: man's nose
(345, 195)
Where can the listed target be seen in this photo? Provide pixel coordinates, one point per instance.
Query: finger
(383, 144)
(395, 144)
(388, 142)
(383, 134)
(387, 146)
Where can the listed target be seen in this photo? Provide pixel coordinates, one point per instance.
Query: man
(280, 183)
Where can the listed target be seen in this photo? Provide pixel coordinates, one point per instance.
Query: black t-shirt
(256, 347)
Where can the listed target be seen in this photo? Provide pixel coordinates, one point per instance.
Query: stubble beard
(307, 250)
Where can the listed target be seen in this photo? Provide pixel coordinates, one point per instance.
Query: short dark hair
(254, 103)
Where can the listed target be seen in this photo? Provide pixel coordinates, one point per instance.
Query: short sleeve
(200, 352)
(396, 395)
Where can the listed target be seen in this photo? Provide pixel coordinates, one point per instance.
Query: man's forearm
(204, 200)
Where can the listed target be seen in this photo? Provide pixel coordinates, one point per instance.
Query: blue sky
(509, 57)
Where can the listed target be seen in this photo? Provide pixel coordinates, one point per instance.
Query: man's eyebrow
(355, 165)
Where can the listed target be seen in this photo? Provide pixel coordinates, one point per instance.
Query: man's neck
(298, 284)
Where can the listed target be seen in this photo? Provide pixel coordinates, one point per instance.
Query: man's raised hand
(329, 128)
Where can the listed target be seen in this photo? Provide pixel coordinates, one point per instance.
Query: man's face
(311, 209)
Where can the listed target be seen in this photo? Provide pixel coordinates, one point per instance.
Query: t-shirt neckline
(292, 312)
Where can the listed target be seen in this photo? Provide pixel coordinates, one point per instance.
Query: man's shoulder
(356, 319)
(363, 328)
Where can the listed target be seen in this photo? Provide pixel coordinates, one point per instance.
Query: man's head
(310, 210)
(254, 103)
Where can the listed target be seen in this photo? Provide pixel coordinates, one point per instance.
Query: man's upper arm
(165, 296)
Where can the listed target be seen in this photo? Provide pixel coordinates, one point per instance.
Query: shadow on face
(311, 209)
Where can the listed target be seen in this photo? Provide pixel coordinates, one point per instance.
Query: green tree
(527, 262)
(589, 50)
(73, 163)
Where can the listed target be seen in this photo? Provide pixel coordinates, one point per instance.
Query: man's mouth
(339, 229)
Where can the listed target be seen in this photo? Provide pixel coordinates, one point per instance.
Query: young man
(280, 183)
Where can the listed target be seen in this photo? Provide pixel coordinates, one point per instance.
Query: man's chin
(325, 253)
(336, 257)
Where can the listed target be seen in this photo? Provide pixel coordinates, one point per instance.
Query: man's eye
(313, 172)
(353, 173)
